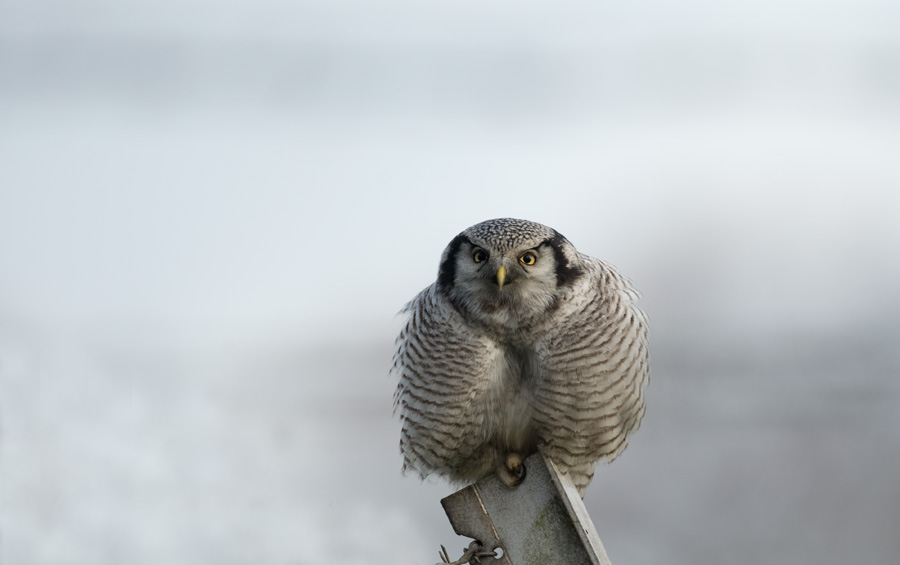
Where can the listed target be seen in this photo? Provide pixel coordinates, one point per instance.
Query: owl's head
(505, 271)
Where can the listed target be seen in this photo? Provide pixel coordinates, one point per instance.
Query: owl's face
(505, 272)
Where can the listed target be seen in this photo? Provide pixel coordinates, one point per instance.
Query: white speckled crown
(509, 233)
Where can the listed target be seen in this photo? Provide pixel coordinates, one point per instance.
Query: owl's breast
(509, 399)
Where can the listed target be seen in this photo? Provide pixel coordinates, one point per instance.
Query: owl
(522, 344)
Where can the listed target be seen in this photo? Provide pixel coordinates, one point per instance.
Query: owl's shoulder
(604, 278)
(591, 302)
(432, 312)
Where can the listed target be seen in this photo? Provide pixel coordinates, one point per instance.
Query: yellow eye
(528, 259)
(479, 255)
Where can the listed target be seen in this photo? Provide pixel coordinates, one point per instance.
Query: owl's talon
(513, 472)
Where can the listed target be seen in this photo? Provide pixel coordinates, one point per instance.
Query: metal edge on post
(578, 511)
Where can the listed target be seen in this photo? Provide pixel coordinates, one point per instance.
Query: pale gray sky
(198, 166)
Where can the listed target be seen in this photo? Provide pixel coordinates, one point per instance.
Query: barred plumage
(521, 344)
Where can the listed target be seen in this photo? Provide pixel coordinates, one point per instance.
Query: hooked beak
(501, 276)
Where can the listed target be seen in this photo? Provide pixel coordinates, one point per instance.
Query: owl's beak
(501, 276)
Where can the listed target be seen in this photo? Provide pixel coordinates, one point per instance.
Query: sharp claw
(513, 472)
(519, 472)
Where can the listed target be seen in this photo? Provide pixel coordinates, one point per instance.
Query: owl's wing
(442, 366)
(593, 368)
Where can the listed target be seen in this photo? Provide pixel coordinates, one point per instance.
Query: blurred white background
(210, 213)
